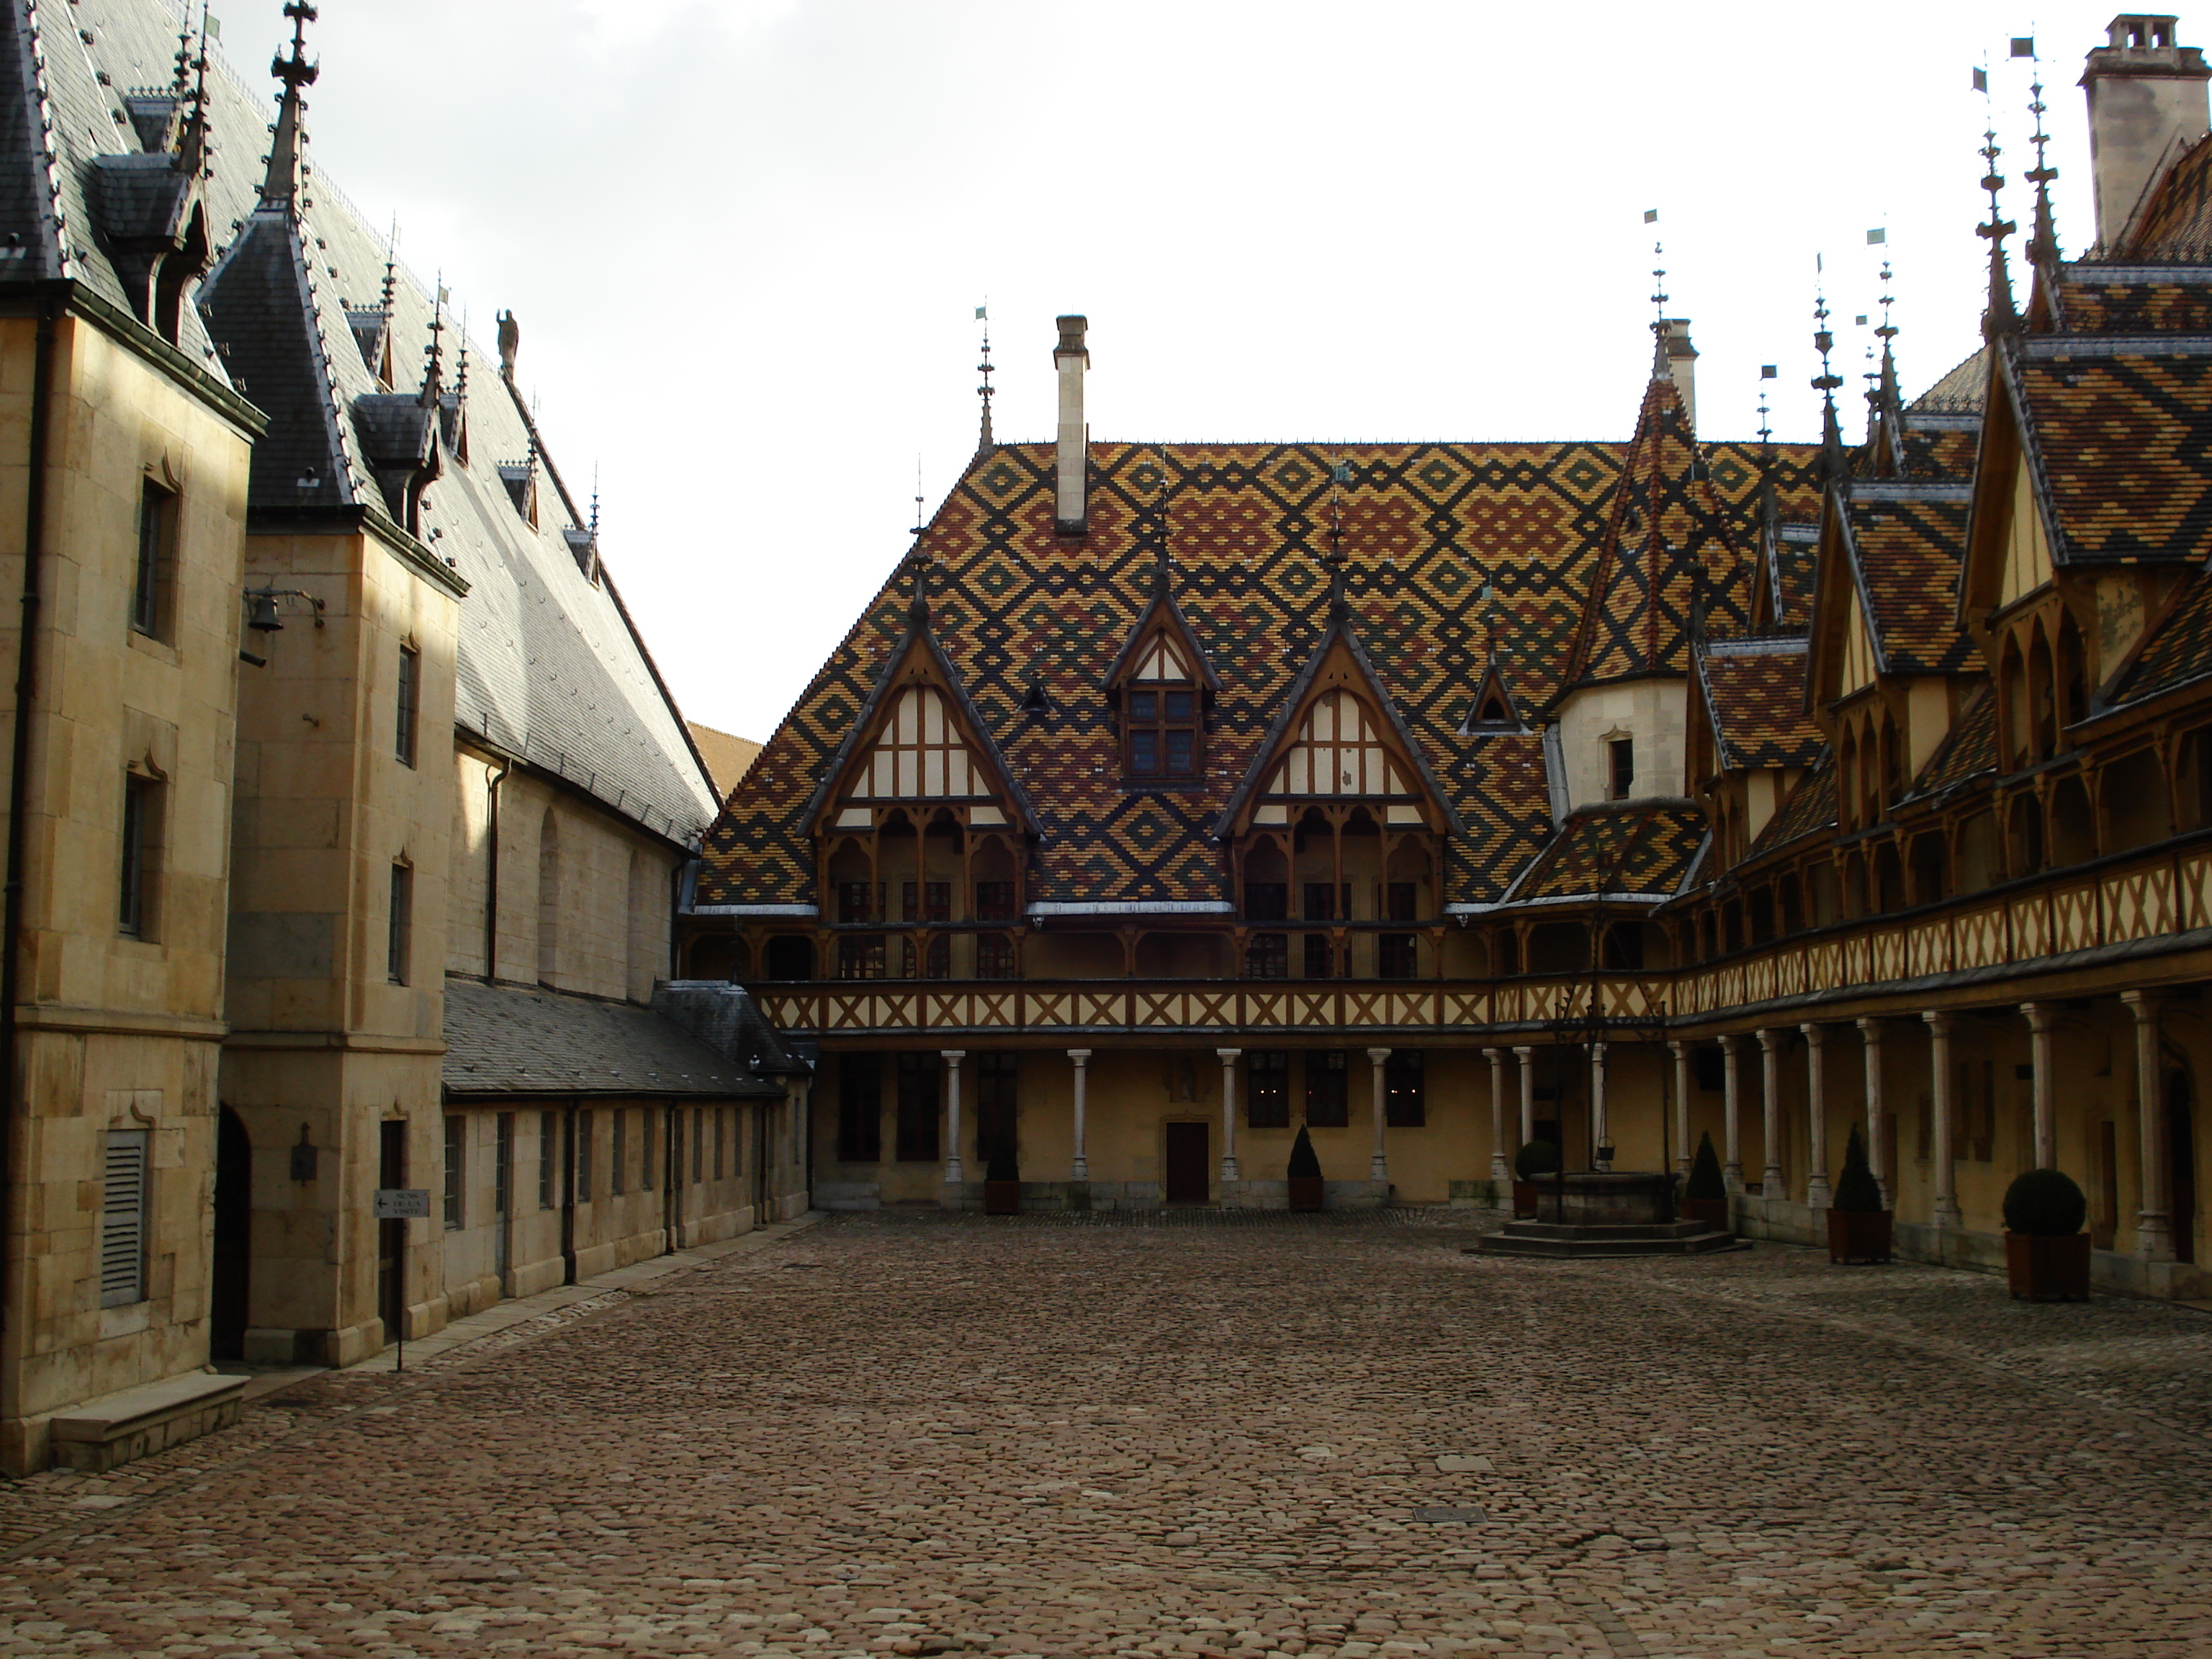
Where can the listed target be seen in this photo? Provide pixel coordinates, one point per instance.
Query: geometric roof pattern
(1757, 698)
(1808, 809)
(1904, 541)
(1423, 529)
(2178, 647)
(1644, 848)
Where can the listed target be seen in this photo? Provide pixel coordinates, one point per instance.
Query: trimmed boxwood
(1857, 1192)
(1538, 1158)
(1305, 1163)
(2045, 1204)
(1705, 1181)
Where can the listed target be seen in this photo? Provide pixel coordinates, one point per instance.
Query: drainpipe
(19, 774)
(568, 1200)
(491, 875)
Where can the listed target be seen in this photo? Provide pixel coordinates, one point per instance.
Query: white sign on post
(403, 1204)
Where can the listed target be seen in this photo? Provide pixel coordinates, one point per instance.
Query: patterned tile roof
(1756, 692)
(2117, 430)
(1968, 749)
(2179, 648)
(1643, 847)
(1809, 809)
(2176, 221)
(1905, 541)
(1425, 527)
(2163, 300)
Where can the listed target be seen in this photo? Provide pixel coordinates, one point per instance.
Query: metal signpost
(403, 1205)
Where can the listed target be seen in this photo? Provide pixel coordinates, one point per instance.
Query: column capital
(1871, 1028)
(1378, 1055)
(1677, 1047)
(956, 1055)
(1524, 1053)
(1815, 1033)
(1770, 1036)
(1597, 1049)
(2145, 1003)
(1228, 1055)
(1939, 1020)
(1080, 1056)
(1493, 1056)
(2040, 1016)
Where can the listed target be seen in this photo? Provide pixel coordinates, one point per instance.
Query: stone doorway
(231, 1268)
(1185, 1165)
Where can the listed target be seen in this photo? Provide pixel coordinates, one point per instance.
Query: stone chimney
(1673, 358)
(2146, 97)
(1071, 357)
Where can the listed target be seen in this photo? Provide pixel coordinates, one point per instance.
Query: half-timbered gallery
(1439, 796)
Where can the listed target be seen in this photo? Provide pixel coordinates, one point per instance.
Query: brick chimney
(1675, 359)
(1071, 357)
(2146, 97)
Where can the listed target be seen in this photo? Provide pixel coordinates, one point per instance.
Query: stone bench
(116, 1429)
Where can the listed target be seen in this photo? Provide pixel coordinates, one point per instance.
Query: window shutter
(123, 1220)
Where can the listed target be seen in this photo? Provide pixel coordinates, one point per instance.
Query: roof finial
(434, 369)
(461, 376)
(919, 525)
(2043, 240)
(1765, 430)
(1661, 369)
(192, 144)
(391, 268)
(282, 182)
(1340, 474)
(2001, 317)
(985, 391)
(595, 503)
(1831, 436)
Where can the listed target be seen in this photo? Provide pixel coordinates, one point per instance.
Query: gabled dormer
(372, 336)
(1493, 709)
(1163, 687)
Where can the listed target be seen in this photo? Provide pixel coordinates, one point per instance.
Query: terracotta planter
(1002, 1198)
(1861, 1236)
(1713, 1212)
(1305, 1193)
(1524, 1200)
(2048, 1269)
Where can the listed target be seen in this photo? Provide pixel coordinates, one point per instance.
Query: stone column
(953, 1058)
(1816, 1118)
(1528, 1096)
(1501, 1165)
(1228, 1057)
(1080, 1166)
(1877, 1149)
(1772, 1184)
(2042, 1021)
(1732, 1119)
(1598, 1134)
(2154, 1218)
(1684, 1152)
(1378, 1167)
(1946, 1213)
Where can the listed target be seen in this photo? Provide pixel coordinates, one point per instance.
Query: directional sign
(403, 1204)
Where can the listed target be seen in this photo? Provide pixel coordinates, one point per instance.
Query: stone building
(1442, 796)
(349, 806)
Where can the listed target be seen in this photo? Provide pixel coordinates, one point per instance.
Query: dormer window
(1161, 725)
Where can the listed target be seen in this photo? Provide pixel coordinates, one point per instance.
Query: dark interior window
(1163, 730)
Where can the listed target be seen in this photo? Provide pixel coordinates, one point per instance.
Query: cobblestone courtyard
(1328, 1436)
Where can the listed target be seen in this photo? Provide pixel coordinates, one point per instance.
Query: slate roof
(1904, 540)
(1638, 847)
(2119, 431)
(1960, 392)
(550, 667)
(504, 1040)
(1756, 692)
(1425, 526)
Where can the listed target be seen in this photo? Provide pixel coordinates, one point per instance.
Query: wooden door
(1186, 1165)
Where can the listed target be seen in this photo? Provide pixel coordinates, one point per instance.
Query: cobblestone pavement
(1317, 1435)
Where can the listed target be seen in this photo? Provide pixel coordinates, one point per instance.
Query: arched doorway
(2181, 1162)
(234, 1238)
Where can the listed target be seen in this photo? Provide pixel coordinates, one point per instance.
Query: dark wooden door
(228, 1293)
(391, 1236)
(1187, 1169)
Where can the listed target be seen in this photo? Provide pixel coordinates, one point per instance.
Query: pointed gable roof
(1139, 655)
(30, 183)
(1753, 691)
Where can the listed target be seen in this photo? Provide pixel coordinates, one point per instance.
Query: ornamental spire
(2043, 240)
(282, 182)
(1824, 342)
(986, 391)
(192, 143)
(2001, 317)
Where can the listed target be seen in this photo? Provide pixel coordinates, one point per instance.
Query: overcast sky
(745, 239)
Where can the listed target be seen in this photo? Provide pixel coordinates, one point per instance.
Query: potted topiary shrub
(2046, 1252)
(1002, 1182)
(1858, 1227)
(1531, 1163)
(1304, 1172)
(1705, 1194)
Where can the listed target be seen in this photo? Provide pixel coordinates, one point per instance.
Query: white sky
(745, 239)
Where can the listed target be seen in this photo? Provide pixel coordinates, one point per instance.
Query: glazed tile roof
(1793, 566)
(2175, 221)
(1643, 847)
(502, 1039)
(1905, 541)
(1809, 809)
(2179, 648)
(1960, 391)
(2167, 300)
(1425, 526)
(2117, 429)
(1756, 692)
(1968, 750)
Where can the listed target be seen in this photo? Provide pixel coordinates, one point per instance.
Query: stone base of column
(1732, 1176)
(1772, 1184)
(2154, 1238)
(1817, 1193)
(954, 1195)
(1228, 1171)
(1500, 1170)
(1946, 1214)
(1378, 1169)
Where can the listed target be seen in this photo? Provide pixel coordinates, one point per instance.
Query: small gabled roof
(1163, 604)
(2173, 220)
(1755, 692)
(1969, 749)
(1809, 810)
(1634, 849)
(2176, 648)
(1905, 541)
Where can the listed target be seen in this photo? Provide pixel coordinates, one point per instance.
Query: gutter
(27, 687)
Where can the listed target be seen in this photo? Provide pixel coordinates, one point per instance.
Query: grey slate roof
(551, 666)
(503, 1040)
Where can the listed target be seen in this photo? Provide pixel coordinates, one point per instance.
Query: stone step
(1621, 1231)
(1695, 1242)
